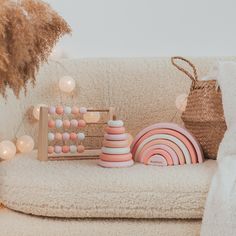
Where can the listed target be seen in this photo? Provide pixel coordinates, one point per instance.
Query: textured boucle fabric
(17, 224)
(143, 91)
(83, 189)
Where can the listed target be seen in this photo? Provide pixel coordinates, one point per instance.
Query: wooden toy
(116, 149)
(63, 132)
(166, 144)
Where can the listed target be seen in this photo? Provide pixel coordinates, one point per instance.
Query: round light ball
(36, 110)
(67, 84)
(181, 102)
(7, 150)
(25, 144)
(92, 117)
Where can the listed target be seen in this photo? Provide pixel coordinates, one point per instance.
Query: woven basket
(204, 115)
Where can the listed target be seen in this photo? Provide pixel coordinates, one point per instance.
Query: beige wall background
(133, 28)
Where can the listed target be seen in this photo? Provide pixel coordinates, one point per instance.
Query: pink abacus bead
(74, 123)
(81, 123)
(51, 124)
(73, 136)
(52, 110)
(58, 136)
(65, 136)
(50, 149)
(75, 110)
(65, 149)
(80, 148)
(66, 124)
(59, 110)
(58, 149)
(83, 110)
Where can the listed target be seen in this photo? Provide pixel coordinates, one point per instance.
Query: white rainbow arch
(166, 144)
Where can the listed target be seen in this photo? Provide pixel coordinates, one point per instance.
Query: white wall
(114, 28)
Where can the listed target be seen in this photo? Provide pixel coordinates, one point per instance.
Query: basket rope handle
(193, 77)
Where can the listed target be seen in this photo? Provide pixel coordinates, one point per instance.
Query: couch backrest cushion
(143, 91)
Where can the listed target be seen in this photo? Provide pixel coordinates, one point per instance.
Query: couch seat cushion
(17, 224)
(83, 189)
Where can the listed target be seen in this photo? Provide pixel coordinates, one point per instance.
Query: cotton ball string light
(25, 144)
(36, 110)
(67, 84)
(181, 102)
(92, 117)
(7, 150)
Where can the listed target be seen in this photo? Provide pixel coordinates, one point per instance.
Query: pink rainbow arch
(173, 140)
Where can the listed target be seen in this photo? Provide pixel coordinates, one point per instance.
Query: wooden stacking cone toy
(116, 148)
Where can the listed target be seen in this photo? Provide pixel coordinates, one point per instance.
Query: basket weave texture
(204, 115)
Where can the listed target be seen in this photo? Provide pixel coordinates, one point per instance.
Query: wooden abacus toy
(62, 132)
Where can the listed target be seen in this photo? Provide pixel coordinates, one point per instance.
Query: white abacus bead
(58, 123)
(83, 110)
(58, 149)
(51, 136)
(115, 123)
(81, 136)
(67, 110)
(66, 136)
(52, 110)
(73, 148)
(74, 123)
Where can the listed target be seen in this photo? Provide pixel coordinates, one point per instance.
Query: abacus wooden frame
(43, 139)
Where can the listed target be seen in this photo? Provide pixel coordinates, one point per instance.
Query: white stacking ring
(116, 137)
(116, 151)
(115, 123)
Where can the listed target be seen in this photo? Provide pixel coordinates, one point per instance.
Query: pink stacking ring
(115, 144)
(116, 137)
(116, 158)
(113, 130)
(108, 164)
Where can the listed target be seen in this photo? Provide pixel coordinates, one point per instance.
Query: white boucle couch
(80, 198)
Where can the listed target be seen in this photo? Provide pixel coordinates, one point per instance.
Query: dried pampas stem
(29, 29)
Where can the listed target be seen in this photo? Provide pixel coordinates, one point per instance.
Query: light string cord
(19, 126)
(181, 107)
